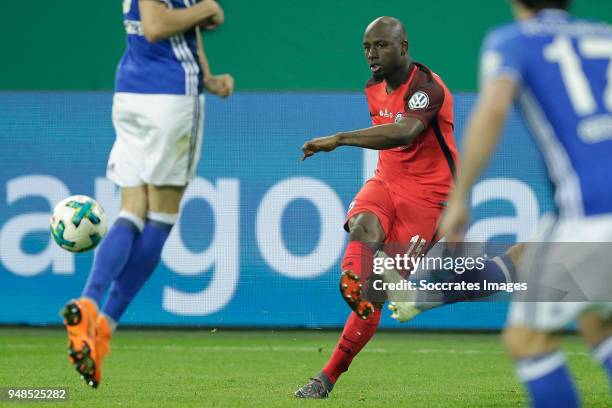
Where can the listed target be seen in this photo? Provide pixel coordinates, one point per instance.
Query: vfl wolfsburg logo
(419, 100)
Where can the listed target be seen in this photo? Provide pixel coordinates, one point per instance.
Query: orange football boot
(351, 291)
(103, 337)
(80, 321)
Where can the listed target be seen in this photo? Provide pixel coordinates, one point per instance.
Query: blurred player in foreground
(559, 68)
(412, 118)
(158, 115)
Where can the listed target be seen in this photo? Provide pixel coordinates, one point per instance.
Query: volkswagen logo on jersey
(419, 100)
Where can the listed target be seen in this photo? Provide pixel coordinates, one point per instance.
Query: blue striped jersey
(563, 67)
(169, 66)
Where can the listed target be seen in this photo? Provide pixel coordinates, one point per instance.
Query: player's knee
(139, 211)
(358, 233)
(521, 342)
(595, 329)
(138, 208)
(514, 341)
(134, 200)
(165, 199)
(365, 228)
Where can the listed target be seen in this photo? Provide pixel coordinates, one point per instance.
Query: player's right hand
(320, 144)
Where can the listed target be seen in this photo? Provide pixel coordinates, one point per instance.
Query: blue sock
(603, 353)
(499, 270)
(146, 253)
(112, 255)
(548, 381)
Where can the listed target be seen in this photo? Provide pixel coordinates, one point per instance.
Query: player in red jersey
(412, 117)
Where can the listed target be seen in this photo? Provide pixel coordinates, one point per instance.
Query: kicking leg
(500, 269)
(164, 203)
(80, 315)
(115, 248)
(365, 236)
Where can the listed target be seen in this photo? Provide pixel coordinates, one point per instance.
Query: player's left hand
(220, 85)
(454, 220)
(320, 144)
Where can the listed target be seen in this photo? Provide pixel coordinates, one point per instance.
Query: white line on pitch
(403, 350)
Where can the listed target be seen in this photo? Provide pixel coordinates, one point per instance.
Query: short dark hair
(542, 4)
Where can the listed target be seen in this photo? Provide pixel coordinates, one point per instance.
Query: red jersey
(424, 170)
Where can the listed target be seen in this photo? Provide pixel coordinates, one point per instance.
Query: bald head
(389, 27)
(386, 48)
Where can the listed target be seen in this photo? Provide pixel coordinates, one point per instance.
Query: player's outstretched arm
(160, 22)
(379, 137)
(382, 137)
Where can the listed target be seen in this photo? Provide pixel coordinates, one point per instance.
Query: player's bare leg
(365, 237)
(165, 199)
(596, 329)
(135, 200)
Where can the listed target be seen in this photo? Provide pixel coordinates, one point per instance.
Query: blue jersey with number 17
(563, 67)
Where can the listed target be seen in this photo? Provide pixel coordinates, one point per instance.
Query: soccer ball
(78, 223)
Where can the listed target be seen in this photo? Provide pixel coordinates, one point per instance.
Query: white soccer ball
(78, 223)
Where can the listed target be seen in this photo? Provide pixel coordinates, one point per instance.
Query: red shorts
(403, 220)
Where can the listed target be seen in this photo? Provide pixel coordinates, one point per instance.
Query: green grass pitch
(203, 368)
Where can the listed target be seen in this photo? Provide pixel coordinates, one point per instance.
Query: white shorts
(568, 275)
(158, 139)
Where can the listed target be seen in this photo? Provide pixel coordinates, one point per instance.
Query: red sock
(359, 258)
(356, 334)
